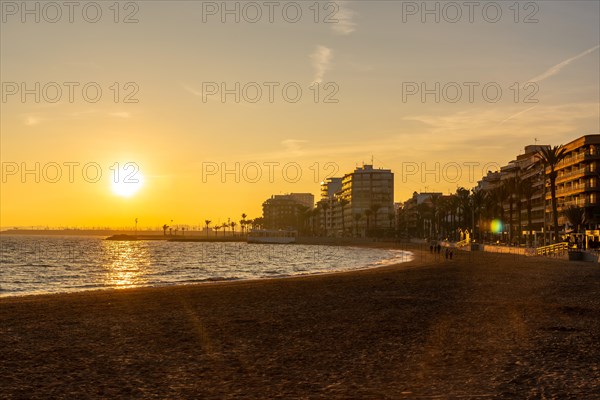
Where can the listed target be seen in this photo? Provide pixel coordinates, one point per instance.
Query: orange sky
(167, 120)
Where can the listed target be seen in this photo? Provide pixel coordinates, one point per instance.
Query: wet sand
(480, 326)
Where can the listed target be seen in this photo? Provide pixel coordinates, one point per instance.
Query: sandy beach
(480, 326)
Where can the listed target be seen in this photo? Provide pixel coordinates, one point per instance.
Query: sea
(32, 265)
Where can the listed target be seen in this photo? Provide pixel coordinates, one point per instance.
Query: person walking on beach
(451, 254)
(446, 254)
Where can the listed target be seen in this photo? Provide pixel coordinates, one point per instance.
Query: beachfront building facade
(287, 211)
(577, 183)
(328, 206)
(368, 201)
(419, 215)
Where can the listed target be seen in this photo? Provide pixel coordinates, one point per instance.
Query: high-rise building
(577, 182)
(369, 197)
(287, 211)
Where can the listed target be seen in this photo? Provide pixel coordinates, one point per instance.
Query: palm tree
(233, 225)
(375, 209)
(207, 223)
(243, 222)
(368, 213)
(165, 227)
(511, 188)
(464, 200)
(423, 214)
(357, 218)
(224, 225)
(343, 203)
(550, 157)
(527, 191)
(500, 194)
(216, 228)
(576, 217)
(454, 206)
(519, 194)
(436, 202)
(325, 207)
(478, 198)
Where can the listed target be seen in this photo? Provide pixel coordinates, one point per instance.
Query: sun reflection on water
(126, 263)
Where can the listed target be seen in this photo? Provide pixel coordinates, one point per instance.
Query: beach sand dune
(480, 326)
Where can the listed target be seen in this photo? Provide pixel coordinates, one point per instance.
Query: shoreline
(215, 281)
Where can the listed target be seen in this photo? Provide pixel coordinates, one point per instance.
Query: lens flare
(496, 226)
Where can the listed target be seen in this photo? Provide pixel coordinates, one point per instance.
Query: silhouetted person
(451, 254)
(446, 254)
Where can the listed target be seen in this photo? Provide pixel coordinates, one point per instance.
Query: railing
(576, 188)
(556, 249)
(462, 243)
(579, 171)
(576, 158)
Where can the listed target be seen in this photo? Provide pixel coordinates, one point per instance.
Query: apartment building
(369, 196)
(287, 211)
(577, 182)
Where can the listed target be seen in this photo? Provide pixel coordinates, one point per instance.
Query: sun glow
(126, 180)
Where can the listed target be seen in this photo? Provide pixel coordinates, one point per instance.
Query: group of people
(437, 249)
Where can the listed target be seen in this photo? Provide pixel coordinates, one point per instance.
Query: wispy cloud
(345, 24)
(293, 146)
(321, 62)
(192, 90)
(30, 120)
(556, 69)
(517, 114)
(120, 114)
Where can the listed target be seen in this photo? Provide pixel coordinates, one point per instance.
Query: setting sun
(126, 180)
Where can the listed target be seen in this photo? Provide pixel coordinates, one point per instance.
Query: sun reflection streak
(126, 264)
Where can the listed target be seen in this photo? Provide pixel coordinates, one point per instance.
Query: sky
(187, 110)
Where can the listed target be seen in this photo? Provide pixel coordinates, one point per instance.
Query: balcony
(577, 158)
(576, 189)
(575, 203)
(574, 174)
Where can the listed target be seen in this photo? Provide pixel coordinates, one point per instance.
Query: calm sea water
(36, 265)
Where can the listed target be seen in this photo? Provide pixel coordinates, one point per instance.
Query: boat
(272, 236)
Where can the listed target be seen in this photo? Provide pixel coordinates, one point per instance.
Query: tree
(464, 200)
(375, 210)
(423, 214)
(165, 227)
(510, 186)
(527, 191)
(357, 218)
(478, 199)
(325, 207)
(500, 194)
(576, 216)
(551, 157)
(207, 223)
(217, 228)
(343, 203)
(243, 222)
(436, 203)
(368, 213)
(233, 225)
